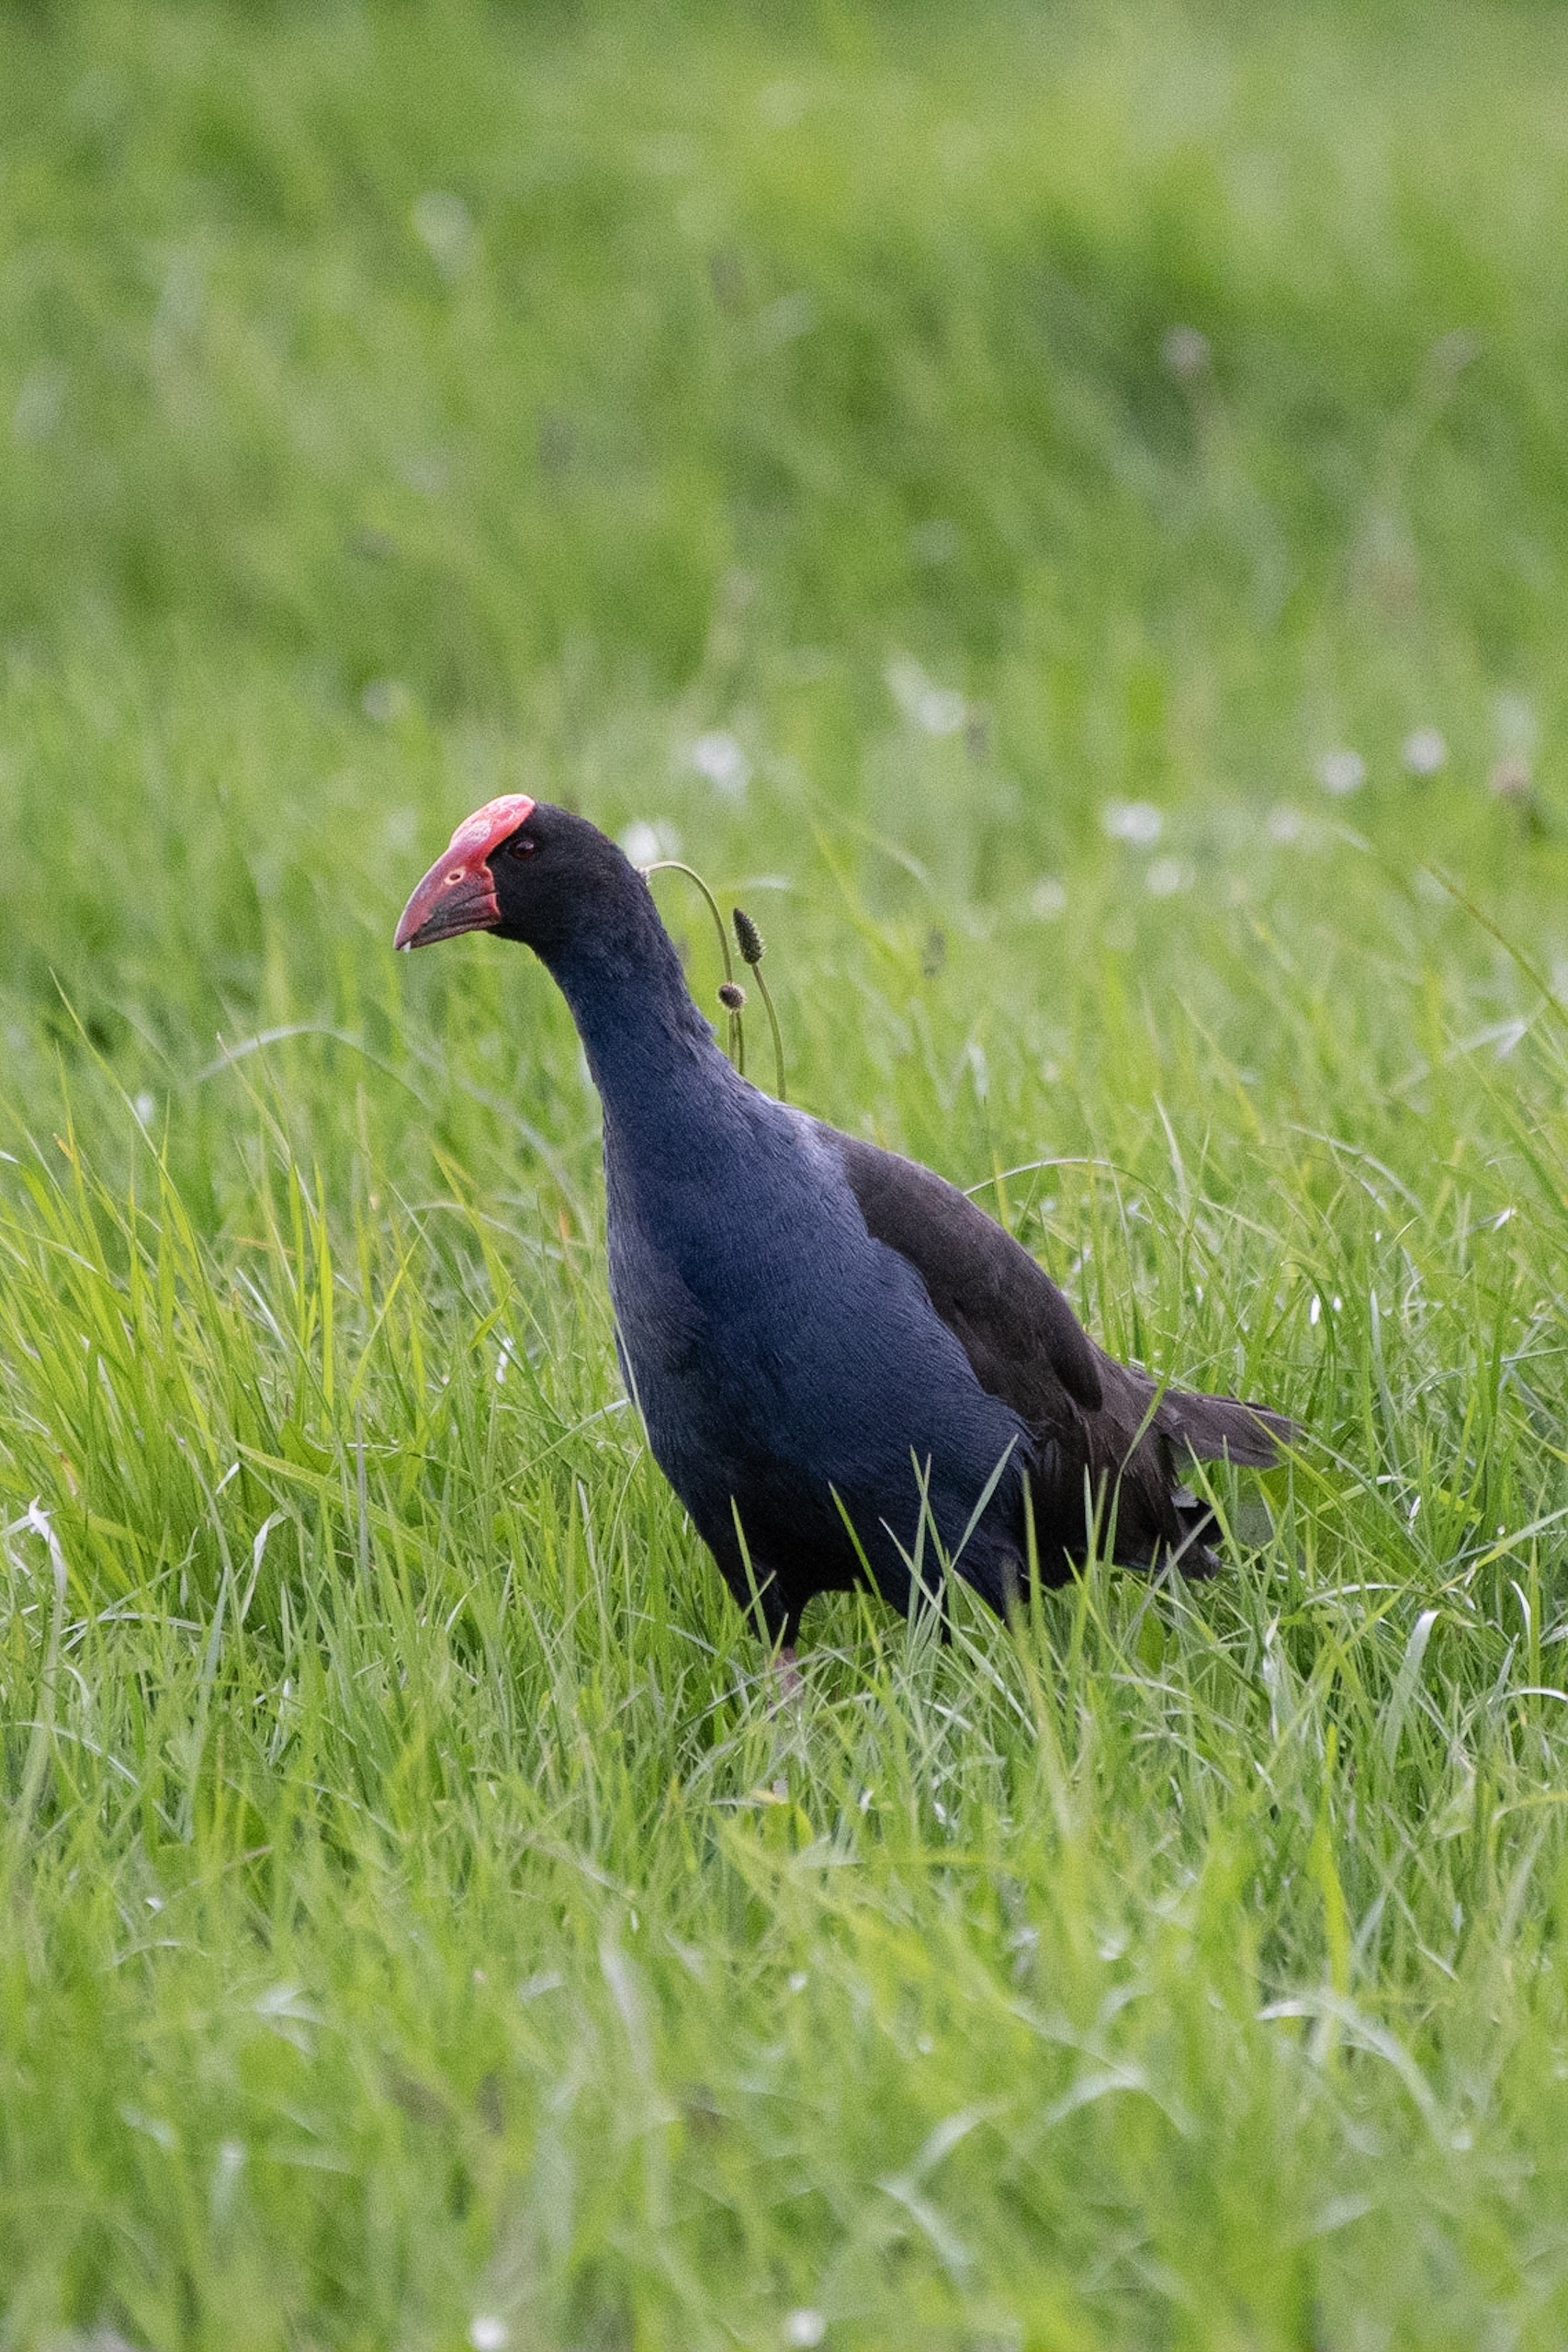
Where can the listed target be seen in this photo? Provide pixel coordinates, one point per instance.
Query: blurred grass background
(1063, 510)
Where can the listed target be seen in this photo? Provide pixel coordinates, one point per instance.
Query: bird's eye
(523, 847)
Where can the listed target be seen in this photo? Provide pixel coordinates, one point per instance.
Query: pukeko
(847, 1371)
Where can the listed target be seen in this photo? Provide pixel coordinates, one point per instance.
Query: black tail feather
(1224, 1429)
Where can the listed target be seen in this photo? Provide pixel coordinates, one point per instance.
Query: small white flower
(942, 711)
(1424, 750)
(1341, 771)
(1185, 351)
(645, 844)
(1285, 825)
(1167, 875)
(445, 227)
(428, 471)
(721, 759)
(488, 2334)
(386, 699)
(227, 2167)
(936, 710)
(804, 2329)
(798, 1980)
(1516, 725)
(1138, 822)
(144, 1106)
(786, 320)
(1048, 900)
(1455, 351)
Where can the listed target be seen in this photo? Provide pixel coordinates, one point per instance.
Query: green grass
(418, 1926)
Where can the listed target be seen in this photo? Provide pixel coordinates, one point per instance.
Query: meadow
(1062, 512)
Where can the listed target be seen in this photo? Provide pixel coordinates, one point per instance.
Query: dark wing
(1016, 1327)
(1023, 1340)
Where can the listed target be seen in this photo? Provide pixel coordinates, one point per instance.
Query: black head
(521, 869)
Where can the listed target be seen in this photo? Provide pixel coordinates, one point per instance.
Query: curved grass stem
(737, 1032)
(773, 1025)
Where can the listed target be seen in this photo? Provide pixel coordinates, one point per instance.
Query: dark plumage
(802, 1318)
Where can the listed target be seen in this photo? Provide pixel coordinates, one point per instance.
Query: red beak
(458, 892)
(455, 896)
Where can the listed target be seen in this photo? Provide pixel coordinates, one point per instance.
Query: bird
(849, 1375)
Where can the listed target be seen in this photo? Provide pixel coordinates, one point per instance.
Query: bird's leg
(786, 1672)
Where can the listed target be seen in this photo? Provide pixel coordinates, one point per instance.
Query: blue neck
(661, 1073)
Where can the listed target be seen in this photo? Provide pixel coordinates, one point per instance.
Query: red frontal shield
(458, 892)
